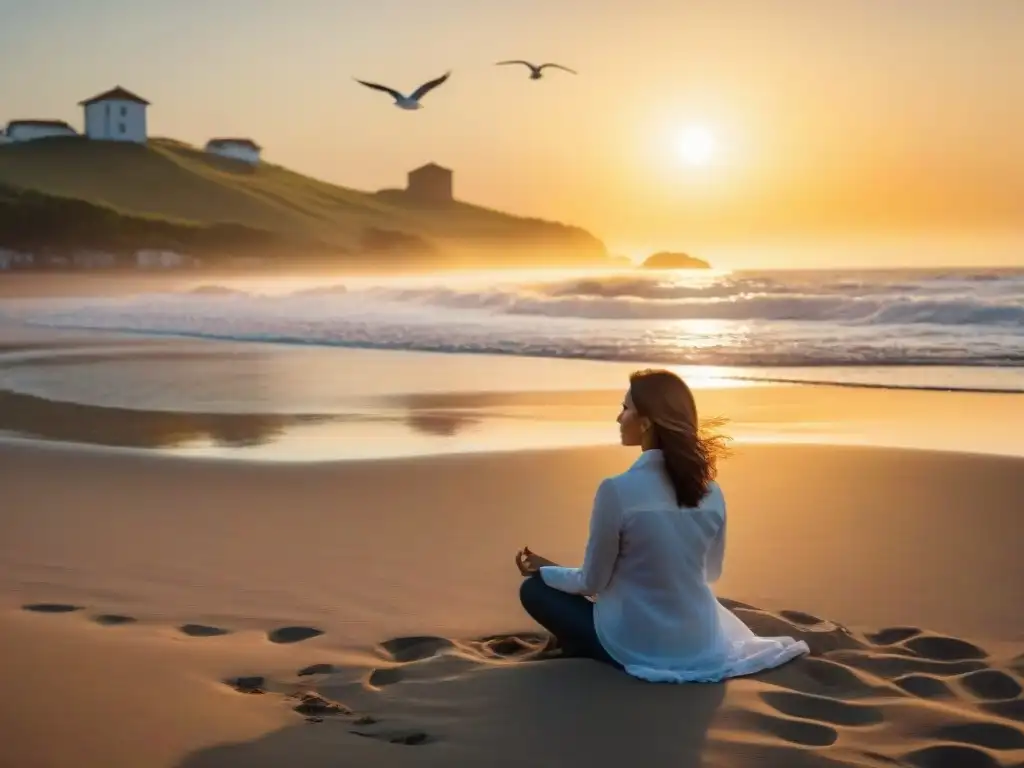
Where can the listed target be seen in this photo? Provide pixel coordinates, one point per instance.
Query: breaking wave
(952, 317)
(942, 300)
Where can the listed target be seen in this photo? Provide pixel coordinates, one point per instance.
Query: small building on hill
(430, 183)
(29, 130)
(246, 150)
(116, 115)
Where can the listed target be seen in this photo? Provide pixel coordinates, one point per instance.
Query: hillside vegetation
(38, 222)
(184, 186)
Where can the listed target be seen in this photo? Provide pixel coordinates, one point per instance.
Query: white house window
(124, 111)
(121, 127)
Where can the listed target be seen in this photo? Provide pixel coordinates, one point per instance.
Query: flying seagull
(536, 72)
(412, 101)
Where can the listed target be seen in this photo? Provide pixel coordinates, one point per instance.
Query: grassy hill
(38, 222)
(173, 181)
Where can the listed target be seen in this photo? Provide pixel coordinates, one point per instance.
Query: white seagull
(412, 101)
(536, 72)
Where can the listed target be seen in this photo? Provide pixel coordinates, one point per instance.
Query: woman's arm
(716, 553)
(602, 548)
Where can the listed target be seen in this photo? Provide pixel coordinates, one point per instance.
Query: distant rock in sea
(673, 260)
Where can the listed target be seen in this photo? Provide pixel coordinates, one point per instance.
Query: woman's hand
(528, 562)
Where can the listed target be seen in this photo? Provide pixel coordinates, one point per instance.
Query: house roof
(430, 168)
(236, 141)
(117, 93)
(39, 124)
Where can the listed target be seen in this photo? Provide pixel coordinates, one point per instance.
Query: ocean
(940, 328)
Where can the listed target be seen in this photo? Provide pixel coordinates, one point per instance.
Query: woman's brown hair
(690, 449)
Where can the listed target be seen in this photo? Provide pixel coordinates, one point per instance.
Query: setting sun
(696, 145)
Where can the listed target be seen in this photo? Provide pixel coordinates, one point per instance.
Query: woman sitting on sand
(657, 538)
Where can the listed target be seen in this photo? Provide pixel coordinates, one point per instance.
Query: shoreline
(729, 373)
(723, 375)
(274, 403)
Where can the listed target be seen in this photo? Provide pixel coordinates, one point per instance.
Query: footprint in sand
(991, 685)
(1011, 710)
(524, 646)
(889, 665)
(416, 648)
(408, 737)
(836, 677)
(51, 607)
(113, 619)
(252, 684)
(315, 705)
(892, 635)
(950, 756)
(284, 635)
(995, 736)
(939, 648)
(202, 630)
(802, 732)
(924, 686)
(385, 676)
(406, 650)
(316, 669)
(822, 709)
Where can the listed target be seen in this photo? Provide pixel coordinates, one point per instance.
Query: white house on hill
(116, 115)
(246, 150)
(27, 130)
(120, 115)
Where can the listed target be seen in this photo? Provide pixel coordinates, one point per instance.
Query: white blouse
(648, 564)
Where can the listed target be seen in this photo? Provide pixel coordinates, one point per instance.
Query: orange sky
(849, 131)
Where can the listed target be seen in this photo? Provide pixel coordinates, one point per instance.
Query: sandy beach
(189, 611)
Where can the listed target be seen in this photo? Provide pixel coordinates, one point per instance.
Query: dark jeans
(570, 618)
